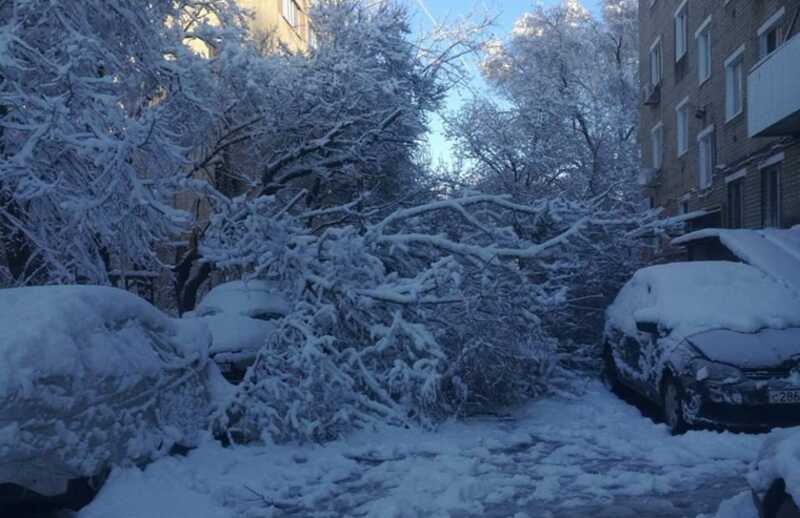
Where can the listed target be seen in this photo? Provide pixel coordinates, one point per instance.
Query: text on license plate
(784, 397)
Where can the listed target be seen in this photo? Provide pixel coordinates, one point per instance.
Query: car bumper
(743, 405)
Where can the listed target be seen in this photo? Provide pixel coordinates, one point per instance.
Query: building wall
(676, 188)
(269, 19)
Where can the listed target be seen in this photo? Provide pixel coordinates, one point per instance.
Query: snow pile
(779, 460)
(577, 456)
(692, 297)
(91, 376)
(773, 251)
(740, 506)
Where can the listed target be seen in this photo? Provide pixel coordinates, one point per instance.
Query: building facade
(720, 113)
(285, 20)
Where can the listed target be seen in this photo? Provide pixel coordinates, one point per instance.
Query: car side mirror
(648, 327)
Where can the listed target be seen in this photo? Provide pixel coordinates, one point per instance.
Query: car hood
(768, 348)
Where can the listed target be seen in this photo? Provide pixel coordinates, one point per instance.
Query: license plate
(784, 397)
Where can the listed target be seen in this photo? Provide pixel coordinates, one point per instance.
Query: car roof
(247, 298)
(691, 297)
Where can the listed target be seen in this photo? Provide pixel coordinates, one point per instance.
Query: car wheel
(673, 408)
(610, 374)
(787, 508)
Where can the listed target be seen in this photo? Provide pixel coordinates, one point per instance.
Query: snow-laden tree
(100, 104)
(408, 318)
(329, 124)
(567, 113)
(561, 121)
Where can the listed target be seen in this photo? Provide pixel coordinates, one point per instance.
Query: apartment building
(286, 20)
(720, 113)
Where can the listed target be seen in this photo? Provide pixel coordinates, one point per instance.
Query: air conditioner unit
(651, 95)
(647, 176)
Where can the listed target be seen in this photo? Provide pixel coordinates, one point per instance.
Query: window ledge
(735, 118)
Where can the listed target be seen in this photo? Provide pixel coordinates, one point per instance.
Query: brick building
(720, 113)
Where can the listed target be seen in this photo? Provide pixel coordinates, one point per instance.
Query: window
(771, 196)
(682, 127)
(655, 62)
(312, 38)
(734, 84)
(289, 11)
(681, 31)
(703, 37)
(657, 143)
(735, 203)
(706, 157)
(770, 34)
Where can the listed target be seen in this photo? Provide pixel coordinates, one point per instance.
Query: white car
(241, 316)
(775, 477)
(90, 378)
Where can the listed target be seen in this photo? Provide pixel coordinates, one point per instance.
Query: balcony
(773, 86)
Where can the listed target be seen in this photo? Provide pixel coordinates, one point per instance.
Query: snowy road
(587, 455)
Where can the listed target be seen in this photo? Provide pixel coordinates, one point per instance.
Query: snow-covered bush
(424, 314)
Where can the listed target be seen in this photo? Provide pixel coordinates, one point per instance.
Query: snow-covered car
(90, 378)
(241, 316)
(712, 343)
(775, 477)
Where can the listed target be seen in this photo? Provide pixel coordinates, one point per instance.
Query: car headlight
(719, 372)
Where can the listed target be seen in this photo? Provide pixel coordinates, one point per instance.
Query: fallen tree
(429, 312)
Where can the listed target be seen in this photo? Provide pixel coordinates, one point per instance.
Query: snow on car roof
(74, 330)
(774, 251)
(692, 297)
(247, 298)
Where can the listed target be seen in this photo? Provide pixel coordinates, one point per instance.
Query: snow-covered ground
(587, 454)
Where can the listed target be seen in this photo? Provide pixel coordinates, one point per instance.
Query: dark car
(774, 477)
(712, 343)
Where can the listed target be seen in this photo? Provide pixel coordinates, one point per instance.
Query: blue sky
(443, 11)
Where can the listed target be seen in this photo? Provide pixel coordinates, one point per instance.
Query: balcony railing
(773, 86)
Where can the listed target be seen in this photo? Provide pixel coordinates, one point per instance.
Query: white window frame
(702, 39)
(766, 28)
(771, 161)
(733, 83)
(682, 127)
(681, 23)
(290, 13)
(656, 68)
(704, 180)
(657, 146)
(738, 175)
